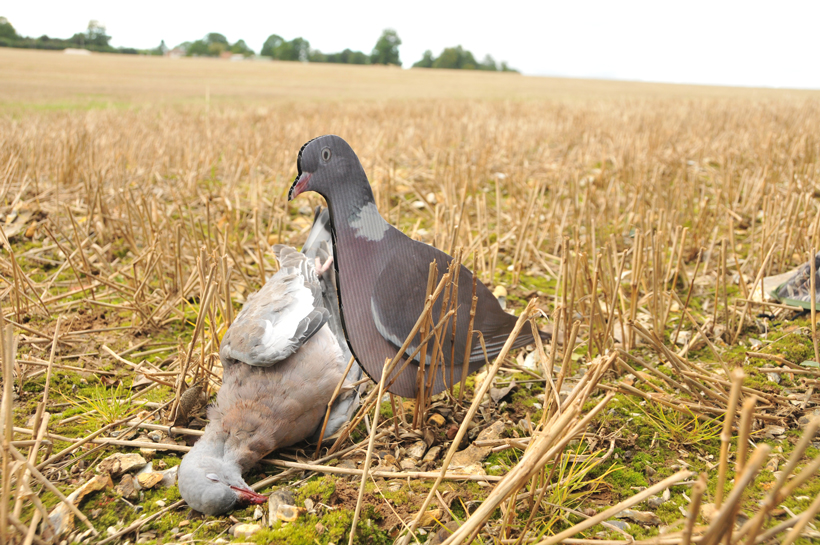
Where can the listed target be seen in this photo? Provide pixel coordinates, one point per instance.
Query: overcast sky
(773, 44)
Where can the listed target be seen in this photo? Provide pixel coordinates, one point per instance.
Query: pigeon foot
(321, 268)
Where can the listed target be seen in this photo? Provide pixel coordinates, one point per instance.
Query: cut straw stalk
(721, 522)
(330, 406)
(805, 518)
(462, 430)
(612, 511)
(694, 508)
(8, 423)
(813, 295)
(451, 476)
(781, 489)
(136, 525)
(562, 428)
(369, 456)
(51, 488)
(726, 434)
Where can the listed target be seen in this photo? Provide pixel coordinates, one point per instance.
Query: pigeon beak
(248, 496)
(299, 185)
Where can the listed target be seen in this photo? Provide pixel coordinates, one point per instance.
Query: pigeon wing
(395, 311)
(397, 298)
(280, 317)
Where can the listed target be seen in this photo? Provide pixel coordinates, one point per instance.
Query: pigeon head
(330, 167)
(212, 485)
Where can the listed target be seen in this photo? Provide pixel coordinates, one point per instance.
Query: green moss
(625, 480)
(330, 527)
(504, 459)
(317, 489)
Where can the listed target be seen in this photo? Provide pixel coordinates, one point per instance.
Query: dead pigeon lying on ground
(281, 364)
(382, 274)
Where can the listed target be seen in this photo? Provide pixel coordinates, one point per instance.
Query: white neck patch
(368, 223)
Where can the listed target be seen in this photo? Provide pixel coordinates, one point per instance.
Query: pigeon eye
(213, 477)
(326, 155)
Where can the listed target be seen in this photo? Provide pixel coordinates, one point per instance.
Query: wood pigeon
(281, 364)
(382, 275)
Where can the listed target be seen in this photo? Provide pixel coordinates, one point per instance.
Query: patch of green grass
(110, 407)
(504, 459)
(679, 430)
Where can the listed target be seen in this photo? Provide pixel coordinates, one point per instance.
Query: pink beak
(248, 496)
(299, 187)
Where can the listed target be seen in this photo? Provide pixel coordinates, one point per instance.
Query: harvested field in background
(140, 201)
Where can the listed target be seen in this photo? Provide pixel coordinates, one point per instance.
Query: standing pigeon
(281, 364)
(382, 274)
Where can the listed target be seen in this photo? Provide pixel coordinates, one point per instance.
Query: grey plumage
(382, 274)
(281, 365)
(319, 246)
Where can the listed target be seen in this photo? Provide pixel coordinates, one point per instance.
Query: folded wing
(280, 317)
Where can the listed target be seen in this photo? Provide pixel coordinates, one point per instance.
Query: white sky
(773, 44)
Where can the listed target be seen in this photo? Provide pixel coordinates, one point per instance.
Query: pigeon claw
(248, 496)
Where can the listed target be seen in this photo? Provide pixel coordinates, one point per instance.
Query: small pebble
(432, 454)
(244, 530)
(408, 465)
(159, 503)
(436, 419)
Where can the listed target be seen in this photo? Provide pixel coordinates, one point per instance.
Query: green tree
(347, 56)
(298, 49)
(317, 56)
(276, 47)
(95, 34)
(270, 46)
(458, 58)
(386, 50)
(426, 60)
(488, 64)
(7, 31)
(160, 50)
(216, 38)
(241, 48)
(212, 45)
(505, 68)
(455, 58)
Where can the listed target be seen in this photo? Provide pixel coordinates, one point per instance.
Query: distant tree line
(458, 58)
(214, 44)
(386, 50)
(94, 39)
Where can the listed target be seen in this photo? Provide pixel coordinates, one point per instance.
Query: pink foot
(321, 268)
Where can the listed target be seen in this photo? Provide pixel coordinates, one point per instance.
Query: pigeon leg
(321, 268)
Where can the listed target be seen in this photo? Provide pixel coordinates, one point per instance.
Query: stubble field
(140, 200)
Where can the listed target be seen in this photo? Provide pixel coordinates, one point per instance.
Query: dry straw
(644, 223)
